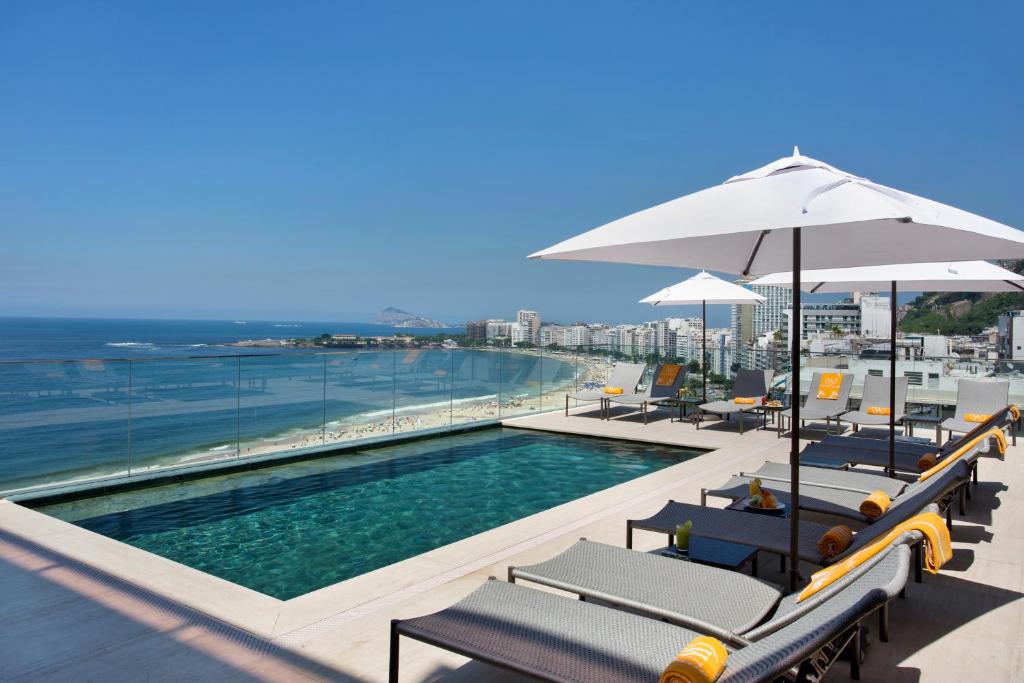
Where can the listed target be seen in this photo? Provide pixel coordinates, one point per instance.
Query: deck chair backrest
(876, 393)
(787, 646)
(666, 380)
(750, 384)
(626, 376)
(832, 405)
(980, 397)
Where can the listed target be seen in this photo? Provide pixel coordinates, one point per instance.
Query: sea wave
(286, 325)
(132, 345)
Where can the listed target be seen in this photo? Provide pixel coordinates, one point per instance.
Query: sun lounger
(750, 384)
(728, 603)
(823, 402)
(876, 395)
(771, 533)
(625, 376)
(844, 451)
(554, 638)
(841, 502)
(976, 399)
(664, 384)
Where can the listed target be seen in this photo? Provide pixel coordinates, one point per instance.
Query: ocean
(76, 338)
(85, 398)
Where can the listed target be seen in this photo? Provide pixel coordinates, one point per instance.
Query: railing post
(130, 400)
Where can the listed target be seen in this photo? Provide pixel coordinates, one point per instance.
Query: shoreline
(376, 423)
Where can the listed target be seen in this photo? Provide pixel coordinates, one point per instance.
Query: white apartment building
(530, 322)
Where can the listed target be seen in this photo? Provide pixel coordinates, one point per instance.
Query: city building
(1011, 336)
(477, 330)
(530, 322)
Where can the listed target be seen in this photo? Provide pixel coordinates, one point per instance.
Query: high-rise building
(875, 316)
(530, 322)
(770, 314)
(477, 330)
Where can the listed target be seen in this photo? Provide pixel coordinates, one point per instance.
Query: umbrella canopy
(703, 288)
(963, 276)
(947, 276)
(745, 226)
(793, 212)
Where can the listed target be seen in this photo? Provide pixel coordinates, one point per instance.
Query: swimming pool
(291, 529)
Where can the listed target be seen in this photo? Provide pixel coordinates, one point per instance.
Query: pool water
(291, 529)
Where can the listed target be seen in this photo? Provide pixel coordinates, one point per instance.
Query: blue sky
(325, 160)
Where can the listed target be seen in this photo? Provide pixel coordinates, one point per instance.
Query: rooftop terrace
(84, 606)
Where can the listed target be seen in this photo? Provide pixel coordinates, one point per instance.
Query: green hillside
(959, 313)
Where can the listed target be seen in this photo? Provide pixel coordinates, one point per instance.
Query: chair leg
(883, 623)
(393, 661)
(857, 653)
(918, 563)
(629, 534)
(567, 405)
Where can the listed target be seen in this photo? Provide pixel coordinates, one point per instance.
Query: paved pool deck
(78, 606)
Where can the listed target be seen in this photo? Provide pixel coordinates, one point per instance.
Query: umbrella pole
(892, 379)
(794, 422)
(704, 348)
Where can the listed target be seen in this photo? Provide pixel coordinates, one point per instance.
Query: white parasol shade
(703, 287)
(963, 276)
(792, 213)
(947, 276)
(745, 225)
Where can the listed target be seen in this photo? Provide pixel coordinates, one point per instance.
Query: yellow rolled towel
(977, 417)
(878, 410)
(701, 661)
(1015, 412)
(834, 541)
(615, 391)
(927, 461)
(875, 505)
(743, 401)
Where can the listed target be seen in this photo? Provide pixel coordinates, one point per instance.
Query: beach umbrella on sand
(701, 289)
(792, 213)
(964, 276)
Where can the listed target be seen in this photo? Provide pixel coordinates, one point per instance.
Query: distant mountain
(954, 313)
(398, 318)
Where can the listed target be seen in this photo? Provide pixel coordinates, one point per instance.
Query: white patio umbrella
(701, 289)
(766, 220)
(963, 276)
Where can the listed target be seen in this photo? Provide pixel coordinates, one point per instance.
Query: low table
(710, 551)
(681, 403)
(765, 410)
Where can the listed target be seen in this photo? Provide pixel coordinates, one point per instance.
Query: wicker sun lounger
(843, 451)
(624, 375)
(858, 482)
(554, 638)
(833, 500)
(771, 534)
(978, 397)
(664, 384)
(815, 408)
(727, 603)
(876, 395)
(749, 384)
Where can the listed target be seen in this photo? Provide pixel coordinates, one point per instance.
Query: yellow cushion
(745, 401)
(834, 541)
(878, 410)
(829, 386)
(668, 374)
(1015, 412)
(613, 390)
(976, 417)
(994, 433)
(875, 505)
(701, 661)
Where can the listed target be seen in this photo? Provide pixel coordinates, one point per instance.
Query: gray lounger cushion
(749, 384)
(984, 397)
(861, 482)
(660, 586)
(815, 408)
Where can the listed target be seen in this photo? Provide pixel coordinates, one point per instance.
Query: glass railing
(73, 421)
